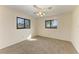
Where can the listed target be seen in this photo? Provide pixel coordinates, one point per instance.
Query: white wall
(63, 31)
(75, 29)
(8, 33)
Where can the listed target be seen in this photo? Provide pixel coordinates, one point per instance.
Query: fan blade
(49, 7)
(35, 6)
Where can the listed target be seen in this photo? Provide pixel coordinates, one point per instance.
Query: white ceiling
(56, 9)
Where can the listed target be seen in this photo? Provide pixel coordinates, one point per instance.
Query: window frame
(17, 25)
(50, 24)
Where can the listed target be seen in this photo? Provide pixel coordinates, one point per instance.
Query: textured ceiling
(56, 9)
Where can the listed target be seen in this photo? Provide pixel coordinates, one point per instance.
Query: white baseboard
(75, 47)
(12, 43)
(55, 38)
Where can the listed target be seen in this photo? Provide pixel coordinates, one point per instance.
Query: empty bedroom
(39, 29)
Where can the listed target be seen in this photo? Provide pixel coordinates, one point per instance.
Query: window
(51, 24)
(22, 23)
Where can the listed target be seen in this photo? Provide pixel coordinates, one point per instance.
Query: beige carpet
(40, 45)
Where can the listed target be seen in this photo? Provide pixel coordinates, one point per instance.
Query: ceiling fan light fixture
(41, 11)
(44, 13)
(37, 14)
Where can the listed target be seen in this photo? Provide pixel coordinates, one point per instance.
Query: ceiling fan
(40, 11)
